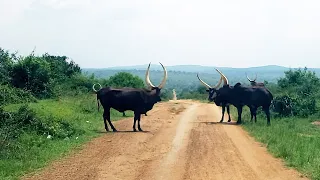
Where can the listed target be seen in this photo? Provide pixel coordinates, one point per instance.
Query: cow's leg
(135, 118)
(239, 108)
(106, 115)
(139, 117)
(223, 110)
(255, 114)
(145, 114)
(123, 114)
(228, 111)
(105, 120)
(251, 113)
(267, 111)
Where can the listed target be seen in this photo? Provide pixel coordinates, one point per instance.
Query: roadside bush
(297, 93)
(10, 95)
(25, 121)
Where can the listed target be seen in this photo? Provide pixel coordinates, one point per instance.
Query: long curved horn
(95, 89)
(250, 79)
(220, 81)
(148, 82)
(225, 79)
(165, 74)
(205, 84)
(256, 77)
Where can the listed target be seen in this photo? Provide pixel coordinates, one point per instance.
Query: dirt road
(182, 140)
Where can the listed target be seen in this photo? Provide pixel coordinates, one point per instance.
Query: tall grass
(295, 140)
(52, 129)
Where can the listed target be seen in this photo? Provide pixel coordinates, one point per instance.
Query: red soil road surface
(182, 141)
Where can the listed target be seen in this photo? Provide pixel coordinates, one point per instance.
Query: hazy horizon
(102, 34)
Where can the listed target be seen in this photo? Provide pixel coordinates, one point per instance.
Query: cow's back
(259, 96)
(122, 99)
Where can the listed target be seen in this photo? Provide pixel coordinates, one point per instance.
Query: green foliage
(13, 124)
(297, 93)
(124, 79)
(14, 95)
(5, 66)
(32, 74)
(166, 94)
(199, 93)
(60, 68)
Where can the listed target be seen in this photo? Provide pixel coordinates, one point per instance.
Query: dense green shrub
(25, 120)
(297, 93)
(32, 74)
(10, 95)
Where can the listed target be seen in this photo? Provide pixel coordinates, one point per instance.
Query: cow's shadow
(119, 131)
(223, 123)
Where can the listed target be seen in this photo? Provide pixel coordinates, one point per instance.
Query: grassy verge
(69, 122)
(295, 140)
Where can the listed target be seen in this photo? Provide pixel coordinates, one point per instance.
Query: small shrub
(9, 95)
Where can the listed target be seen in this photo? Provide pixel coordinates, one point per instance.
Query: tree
(5, 66)
(32, 74)
(60, 68)
(124, 79)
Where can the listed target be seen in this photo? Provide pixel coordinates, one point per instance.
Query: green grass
(295, 140)
(33, 150)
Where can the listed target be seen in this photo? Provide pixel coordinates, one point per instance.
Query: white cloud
(101, 33)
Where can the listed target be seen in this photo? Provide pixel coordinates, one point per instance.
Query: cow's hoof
(134, 130)
(238, 122)
(140, 129)
(229, 120)
(221, 121)
(114, 130)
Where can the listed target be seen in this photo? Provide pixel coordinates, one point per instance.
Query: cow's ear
(207, 90)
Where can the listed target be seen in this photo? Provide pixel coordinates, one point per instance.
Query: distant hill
(184, 76)
(198, 68)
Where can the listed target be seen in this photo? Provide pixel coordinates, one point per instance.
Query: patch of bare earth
(317, 123)
(182, 140)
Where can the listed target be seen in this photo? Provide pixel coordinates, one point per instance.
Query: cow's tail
(98, 103)
(97, 92)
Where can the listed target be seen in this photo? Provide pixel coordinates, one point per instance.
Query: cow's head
(212, 90)
(155, 90)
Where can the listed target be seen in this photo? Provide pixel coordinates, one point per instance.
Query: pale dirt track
(182, 141)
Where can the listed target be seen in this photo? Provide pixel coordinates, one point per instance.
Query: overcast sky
(104, 33)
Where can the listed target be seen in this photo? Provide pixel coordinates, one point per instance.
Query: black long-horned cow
(253, 82)
(139, 100)
(239, 96)
(212, 91)
(253, 109)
